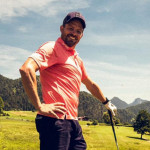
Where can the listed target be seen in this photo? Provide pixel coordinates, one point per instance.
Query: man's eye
(79, 32)
(71, 29)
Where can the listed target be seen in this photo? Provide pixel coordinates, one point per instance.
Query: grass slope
(18, 132)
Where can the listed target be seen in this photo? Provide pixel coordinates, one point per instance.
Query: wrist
(107, 100)
(39, 107)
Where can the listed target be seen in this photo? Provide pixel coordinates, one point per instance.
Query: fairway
(17, 132)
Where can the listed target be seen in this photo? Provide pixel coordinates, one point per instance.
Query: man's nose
(74, 33)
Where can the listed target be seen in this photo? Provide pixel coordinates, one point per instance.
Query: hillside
(137, 108)
(13, 94)
(129, 114)
(15, 98)
(90, 107)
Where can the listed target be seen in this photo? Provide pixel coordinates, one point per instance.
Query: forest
(15, 98)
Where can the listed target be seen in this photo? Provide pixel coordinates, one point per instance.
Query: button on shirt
(61, 73)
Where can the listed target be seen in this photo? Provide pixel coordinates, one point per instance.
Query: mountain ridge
(15, 98)
(122, 104)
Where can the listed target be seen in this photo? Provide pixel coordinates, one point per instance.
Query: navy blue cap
(73, 15)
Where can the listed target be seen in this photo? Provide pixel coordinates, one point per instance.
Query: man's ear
(61, 28)
(82, 35)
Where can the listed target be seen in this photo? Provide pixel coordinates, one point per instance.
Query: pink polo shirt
(61, 73)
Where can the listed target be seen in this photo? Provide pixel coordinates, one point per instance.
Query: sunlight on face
(71, 33)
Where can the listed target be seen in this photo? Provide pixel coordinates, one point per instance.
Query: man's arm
(29, 81)
(28, 75)
(96, 91)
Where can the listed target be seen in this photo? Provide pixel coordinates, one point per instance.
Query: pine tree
(142, 124)
(1, 105)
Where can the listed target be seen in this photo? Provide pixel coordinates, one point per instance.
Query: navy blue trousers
(58, 134)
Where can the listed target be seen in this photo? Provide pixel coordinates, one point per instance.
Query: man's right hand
(51, 109)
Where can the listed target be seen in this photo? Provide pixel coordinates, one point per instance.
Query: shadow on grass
(137, 138)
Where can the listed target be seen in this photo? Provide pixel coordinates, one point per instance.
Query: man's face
(71, 33)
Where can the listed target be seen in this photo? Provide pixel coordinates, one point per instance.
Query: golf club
(112, 124)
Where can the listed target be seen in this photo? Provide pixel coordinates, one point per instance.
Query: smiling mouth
(72, 37)
(71, 40)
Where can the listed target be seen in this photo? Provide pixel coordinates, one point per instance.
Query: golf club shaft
(112, 124)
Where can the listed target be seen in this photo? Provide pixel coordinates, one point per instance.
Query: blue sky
(115, 47)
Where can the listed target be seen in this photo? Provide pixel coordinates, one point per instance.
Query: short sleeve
(45, 55)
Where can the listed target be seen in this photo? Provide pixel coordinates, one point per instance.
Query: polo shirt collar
(73, 51)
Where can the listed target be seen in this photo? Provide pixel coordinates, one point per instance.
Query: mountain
(137, 108)
(137, 101)
(129, 114)
(15, 98)
(119, 103)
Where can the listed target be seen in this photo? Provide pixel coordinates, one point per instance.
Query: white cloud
(134, 68)
(16, 8)
(11, 59)
(23, 29)
(11, 8)
(126, 40)
(119, 73)
(125, 82)
(103, 10)
(124, 6)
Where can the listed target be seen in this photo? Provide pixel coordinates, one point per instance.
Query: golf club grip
(110, 115)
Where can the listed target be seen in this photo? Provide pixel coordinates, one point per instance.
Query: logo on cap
(77, 14)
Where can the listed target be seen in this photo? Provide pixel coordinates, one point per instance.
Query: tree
(142, 124)
(106, 118)
(1, 105)
(117, 121)
(95, 122)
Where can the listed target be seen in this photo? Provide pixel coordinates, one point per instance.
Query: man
(61, 74)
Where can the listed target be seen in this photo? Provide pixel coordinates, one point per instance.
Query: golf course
(18, 132)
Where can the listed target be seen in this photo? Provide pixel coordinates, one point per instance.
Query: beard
(70, 40)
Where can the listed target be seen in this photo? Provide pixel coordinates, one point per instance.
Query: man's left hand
(111, 107)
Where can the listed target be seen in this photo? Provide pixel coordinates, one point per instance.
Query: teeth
(72, 37)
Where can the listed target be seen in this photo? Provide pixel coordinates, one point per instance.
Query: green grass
(102, 138)
(18, 132)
